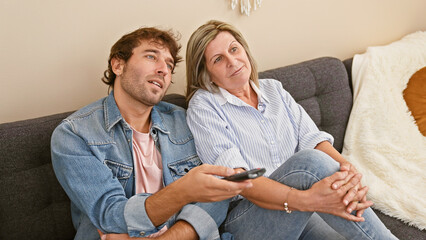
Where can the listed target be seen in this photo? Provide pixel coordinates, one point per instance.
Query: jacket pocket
(120, 171)
(179, 168)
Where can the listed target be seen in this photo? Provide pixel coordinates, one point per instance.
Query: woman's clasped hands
(340, 194)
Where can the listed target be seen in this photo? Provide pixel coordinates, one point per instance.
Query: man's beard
(130, 85)
(142, 95)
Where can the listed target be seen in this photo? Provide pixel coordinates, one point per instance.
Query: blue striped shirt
(229, 132)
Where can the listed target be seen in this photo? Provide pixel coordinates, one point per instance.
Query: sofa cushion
(321, 87)
(176, 99)
(32, 203)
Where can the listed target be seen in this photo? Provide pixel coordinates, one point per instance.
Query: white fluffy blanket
(382, 139)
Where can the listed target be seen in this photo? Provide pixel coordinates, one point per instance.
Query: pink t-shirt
(148, 167)
(147, 162)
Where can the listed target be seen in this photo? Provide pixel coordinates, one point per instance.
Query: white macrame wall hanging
(246, 5)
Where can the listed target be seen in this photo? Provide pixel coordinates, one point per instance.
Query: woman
(309, 190)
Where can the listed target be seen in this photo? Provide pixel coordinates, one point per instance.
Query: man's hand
(180, 230)
(200, 184)
(115, 236)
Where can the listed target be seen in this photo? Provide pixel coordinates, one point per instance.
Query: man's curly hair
(123, 48)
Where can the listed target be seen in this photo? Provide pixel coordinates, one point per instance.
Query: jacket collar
(162, 115)
(157, 120)
(170, 120)
(112, 114)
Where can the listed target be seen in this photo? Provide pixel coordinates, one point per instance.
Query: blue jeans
(301, 171)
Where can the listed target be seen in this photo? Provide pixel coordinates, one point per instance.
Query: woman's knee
(314, 159)
(305, 168)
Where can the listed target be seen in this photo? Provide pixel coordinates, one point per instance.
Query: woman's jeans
(247, 221)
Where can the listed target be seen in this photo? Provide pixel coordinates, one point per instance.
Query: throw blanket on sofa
(382, 139)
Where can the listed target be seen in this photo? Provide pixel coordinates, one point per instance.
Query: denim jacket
(92, 159)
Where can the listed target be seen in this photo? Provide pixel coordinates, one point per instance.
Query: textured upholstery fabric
(321, 87)
(176, 99)
(32, 203)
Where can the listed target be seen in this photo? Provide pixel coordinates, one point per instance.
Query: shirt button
(272, 142)
(142, 233)
(262, 121)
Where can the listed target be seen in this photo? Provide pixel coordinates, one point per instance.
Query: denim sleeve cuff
(137, 220)
(231, 158)
(203, 223)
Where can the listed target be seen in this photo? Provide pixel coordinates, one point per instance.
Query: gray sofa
(34, 206)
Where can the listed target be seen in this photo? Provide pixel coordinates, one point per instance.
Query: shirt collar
(223, 96)
(262, 97)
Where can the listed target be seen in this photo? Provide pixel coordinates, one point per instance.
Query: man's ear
(117, 66)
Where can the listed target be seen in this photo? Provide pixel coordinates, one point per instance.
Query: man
(128, 161)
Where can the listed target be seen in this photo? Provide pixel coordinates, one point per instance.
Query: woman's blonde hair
(196, 70)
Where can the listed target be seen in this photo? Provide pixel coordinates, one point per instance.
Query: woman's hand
(323, 198)
(356, 197)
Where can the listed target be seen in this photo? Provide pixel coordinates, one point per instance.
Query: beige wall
(53, 52)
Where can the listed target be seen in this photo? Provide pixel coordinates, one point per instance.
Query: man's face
(146, 76)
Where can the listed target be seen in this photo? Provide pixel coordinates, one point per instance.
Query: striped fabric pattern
(229, 132)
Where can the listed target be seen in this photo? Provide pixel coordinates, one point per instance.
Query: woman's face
(227, 62)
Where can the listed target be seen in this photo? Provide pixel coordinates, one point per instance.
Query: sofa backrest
(32, 203)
